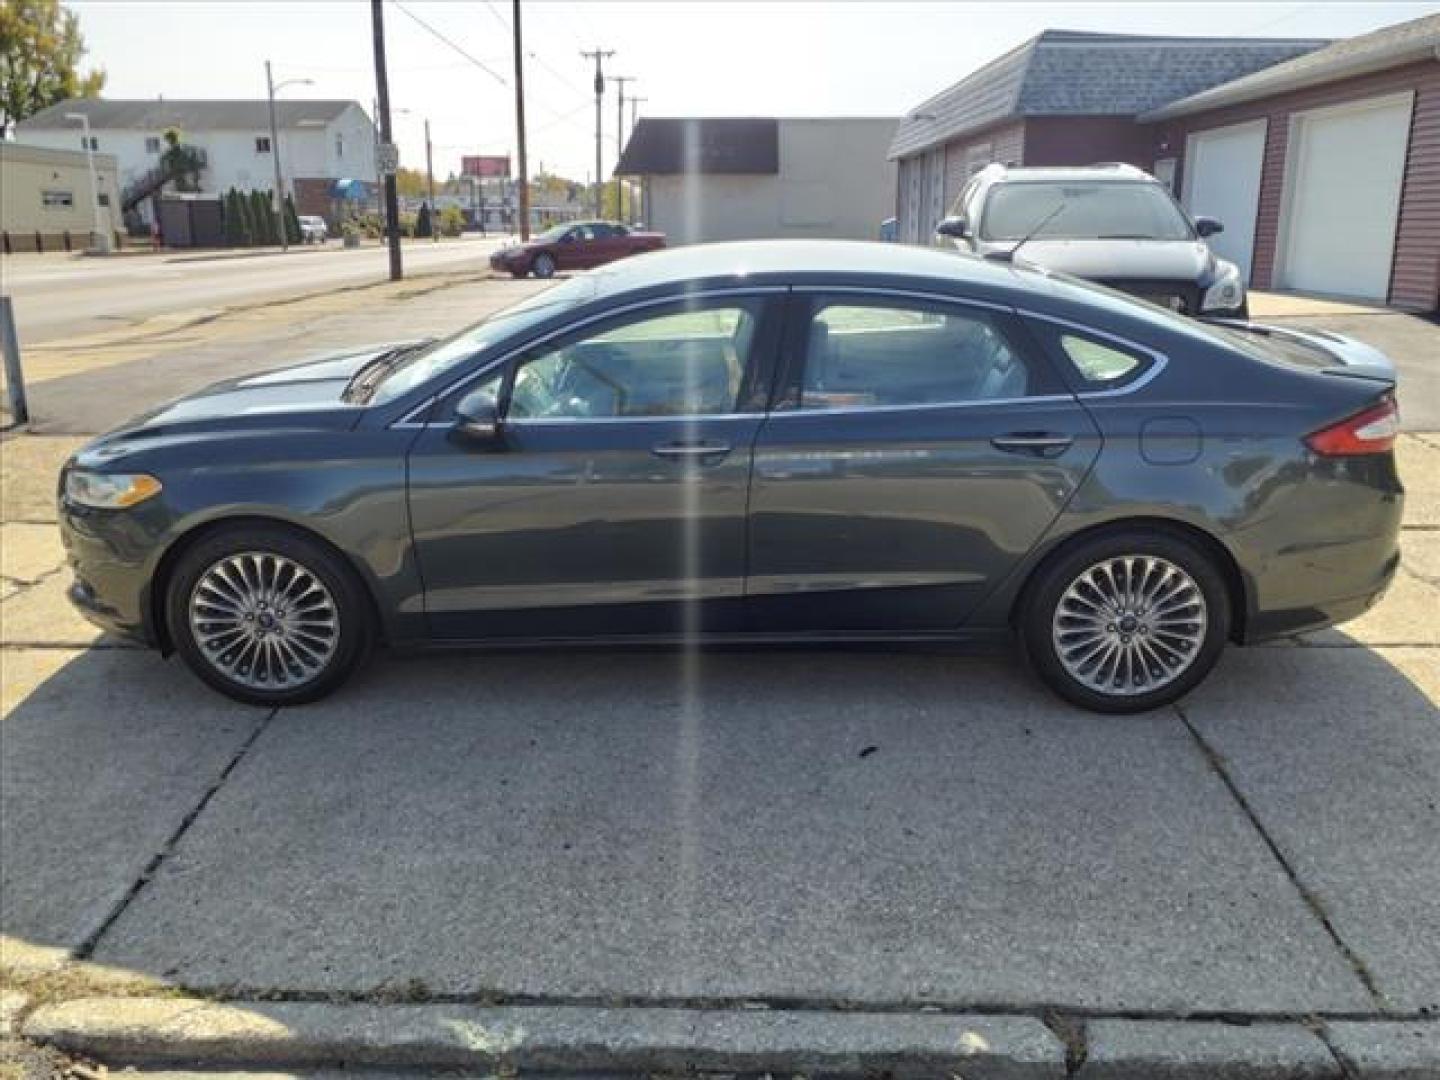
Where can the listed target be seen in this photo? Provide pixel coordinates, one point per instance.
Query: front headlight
(1227, 292)
(109, 491)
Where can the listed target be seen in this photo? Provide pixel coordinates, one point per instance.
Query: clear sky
(691, 58)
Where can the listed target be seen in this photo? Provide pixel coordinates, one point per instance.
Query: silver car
(1111, 224)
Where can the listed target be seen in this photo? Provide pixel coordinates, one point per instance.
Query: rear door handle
(691, 451)
(1045, 444)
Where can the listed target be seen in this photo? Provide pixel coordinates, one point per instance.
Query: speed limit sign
(389, 158)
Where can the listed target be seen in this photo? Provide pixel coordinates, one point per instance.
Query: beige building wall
(47, 191)
(834, 182)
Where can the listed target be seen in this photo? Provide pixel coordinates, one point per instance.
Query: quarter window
(877, 355)
(1099, 363)
(682, 363)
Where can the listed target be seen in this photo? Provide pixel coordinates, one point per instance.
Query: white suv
(1112, 224)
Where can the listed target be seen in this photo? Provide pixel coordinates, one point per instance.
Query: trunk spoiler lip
(1353, 358)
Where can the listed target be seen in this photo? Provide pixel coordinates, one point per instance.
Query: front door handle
(692, 451)
(1046, 444)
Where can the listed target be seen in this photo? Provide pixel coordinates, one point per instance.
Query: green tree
(40, 51)
(452, 221)
(181, 162)
(264, 218)
(247, 217)
(234, 220)
(292, 222)
(422, 221)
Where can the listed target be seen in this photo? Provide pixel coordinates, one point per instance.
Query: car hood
(307, 393)
(1118, 260)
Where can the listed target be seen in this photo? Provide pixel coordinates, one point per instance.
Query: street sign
(484, 166)
(388, 156)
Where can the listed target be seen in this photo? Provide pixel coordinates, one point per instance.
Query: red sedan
(576, 245)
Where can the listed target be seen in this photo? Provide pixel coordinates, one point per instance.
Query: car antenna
(1009, 256)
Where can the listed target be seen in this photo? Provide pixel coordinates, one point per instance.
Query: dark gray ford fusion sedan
(764, 442)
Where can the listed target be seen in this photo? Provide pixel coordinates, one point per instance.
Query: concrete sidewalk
(646, 840)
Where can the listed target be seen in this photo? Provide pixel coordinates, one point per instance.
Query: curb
(150, 1031)
(1161, 1049)
(597, 1040)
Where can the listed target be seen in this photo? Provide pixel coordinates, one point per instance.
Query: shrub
(452, 221)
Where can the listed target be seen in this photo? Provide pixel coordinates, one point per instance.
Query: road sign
(485, 166)
(388, 155)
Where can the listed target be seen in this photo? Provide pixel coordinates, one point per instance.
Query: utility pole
(600, 55)
(620, 80)
(382, 90)
(430, 185)
(636, 194)
(522, 193)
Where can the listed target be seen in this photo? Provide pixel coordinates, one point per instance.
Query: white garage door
(1342, 197)
(1222, 180)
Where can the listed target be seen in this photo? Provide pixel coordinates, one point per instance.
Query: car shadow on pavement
(811, 826)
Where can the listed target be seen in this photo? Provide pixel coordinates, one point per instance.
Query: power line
(489, 71)
(498, 17)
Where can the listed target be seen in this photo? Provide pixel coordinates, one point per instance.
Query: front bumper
(111, 555)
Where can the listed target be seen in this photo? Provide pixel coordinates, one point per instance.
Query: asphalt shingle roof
(1390, 46)
(1072, 73)
(157, 114)
(661, 146)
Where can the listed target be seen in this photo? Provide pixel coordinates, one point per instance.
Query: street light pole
(522, 190)
(279, 199)
(620, 80)
(100, 241)
(430, 184)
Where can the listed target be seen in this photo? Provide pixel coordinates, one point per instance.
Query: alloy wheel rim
(264, 621)
(1129, 625)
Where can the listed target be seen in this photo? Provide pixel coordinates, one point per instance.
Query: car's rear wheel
(267, 616)
(1126, 621)
(544, 266)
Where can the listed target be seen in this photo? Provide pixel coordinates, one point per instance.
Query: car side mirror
(1208, 226)
(477, 418)
(956, 228)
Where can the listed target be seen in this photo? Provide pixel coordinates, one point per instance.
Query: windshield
(552, 234)
(424, 365)
(1105, 210)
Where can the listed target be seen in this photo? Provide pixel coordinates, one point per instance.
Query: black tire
(348, 646)
(544, 266)
(1054, 578)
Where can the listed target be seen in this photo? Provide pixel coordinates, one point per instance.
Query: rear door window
(864, 353)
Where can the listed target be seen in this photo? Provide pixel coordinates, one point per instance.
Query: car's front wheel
(544, 266)
(267, 616)
(1126, 621)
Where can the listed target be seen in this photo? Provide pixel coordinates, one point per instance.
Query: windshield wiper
(1009, 256)
(364, 381)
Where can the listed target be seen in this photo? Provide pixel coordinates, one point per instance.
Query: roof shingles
(1070, 73)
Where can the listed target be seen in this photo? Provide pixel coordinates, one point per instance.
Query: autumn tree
(40, 51)
(410, 182)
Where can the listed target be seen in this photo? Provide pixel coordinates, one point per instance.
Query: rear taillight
(1371, 431)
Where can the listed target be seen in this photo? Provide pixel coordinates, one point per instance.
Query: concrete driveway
(863, 826)
(812, 829)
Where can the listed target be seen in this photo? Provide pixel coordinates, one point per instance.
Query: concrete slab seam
(1312, 901)
(86, 948)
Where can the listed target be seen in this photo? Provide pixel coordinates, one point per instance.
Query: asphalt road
(59, 296)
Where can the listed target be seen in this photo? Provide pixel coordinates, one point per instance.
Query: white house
(321, 142)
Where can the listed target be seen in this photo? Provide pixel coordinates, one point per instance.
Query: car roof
(744, 259)
(1114, 174)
